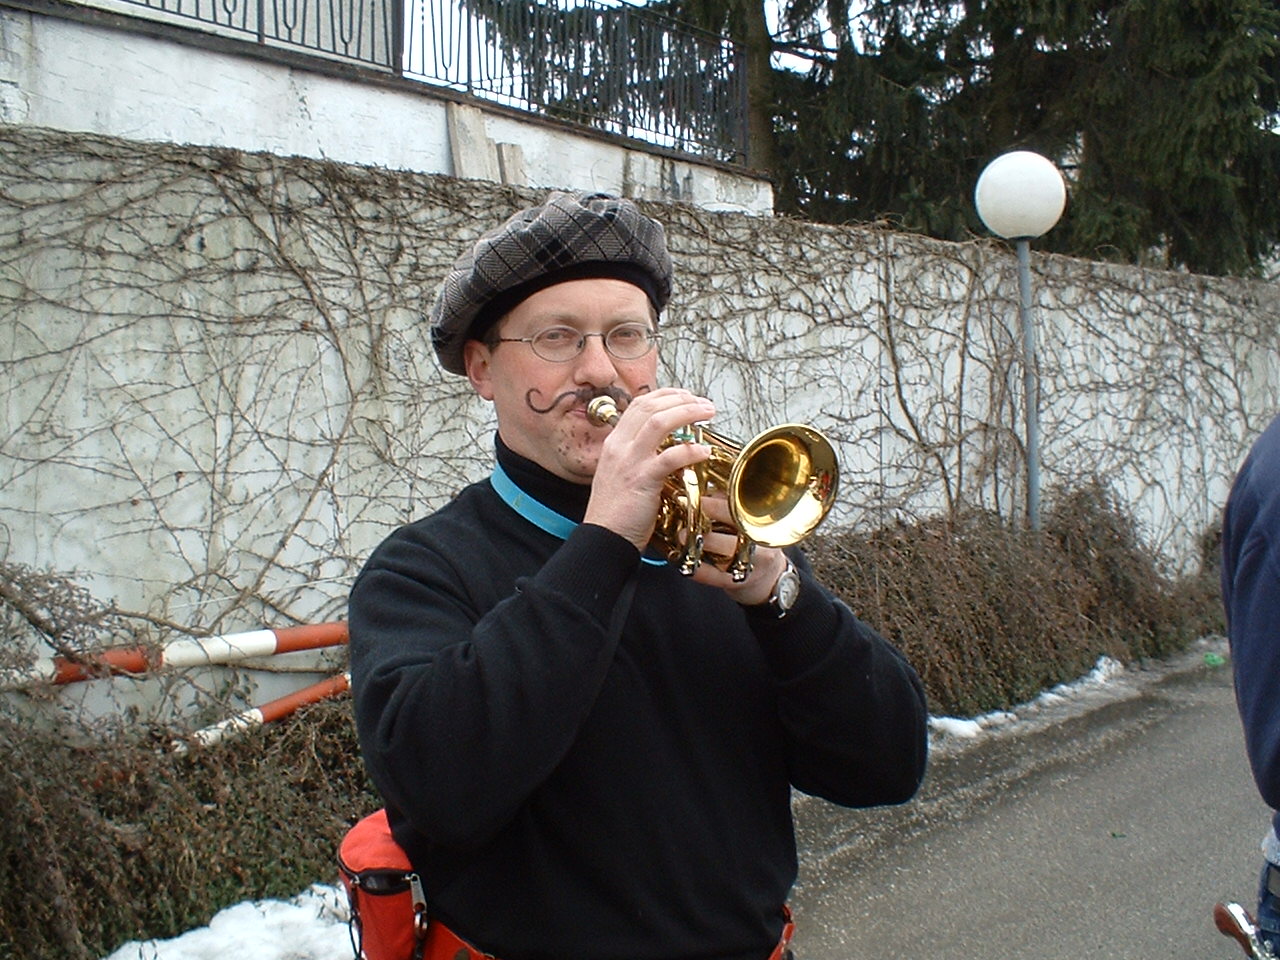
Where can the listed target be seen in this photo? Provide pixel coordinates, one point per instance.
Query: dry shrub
(991, 614)
(41, 608)
(1138, 608)
(985, 617)
(124, 840)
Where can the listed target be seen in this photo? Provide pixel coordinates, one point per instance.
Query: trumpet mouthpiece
(602, 411)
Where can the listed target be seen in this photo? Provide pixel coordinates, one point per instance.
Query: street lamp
(1020, 196)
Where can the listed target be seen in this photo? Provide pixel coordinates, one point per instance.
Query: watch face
(788, 589)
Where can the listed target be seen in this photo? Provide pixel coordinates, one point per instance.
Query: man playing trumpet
(584, 753)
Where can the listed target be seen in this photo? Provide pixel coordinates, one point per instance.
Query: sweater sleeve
(853, 707)
(464, 706)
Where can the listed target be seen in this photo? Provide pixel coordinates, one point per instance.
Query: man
(1251, 596)
(584, 753)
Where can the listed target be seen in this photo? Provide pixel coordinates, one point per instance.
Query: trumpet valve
(691, 558)
(742, 564)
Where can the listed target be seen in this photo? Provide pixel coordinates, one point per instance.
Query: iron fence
(363, 31)
(621, 68)
(609, 66)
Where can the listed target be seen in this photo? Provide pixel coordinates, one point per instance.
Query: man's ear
(476, 356)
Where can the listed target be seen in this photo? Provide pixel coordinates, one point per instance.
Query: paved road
(1107, 834)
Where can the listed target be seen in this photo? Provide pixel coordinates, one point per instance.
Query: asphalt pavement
(1108, 831)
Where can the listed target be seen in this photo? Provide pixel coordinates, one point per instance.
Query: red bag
(388, 907)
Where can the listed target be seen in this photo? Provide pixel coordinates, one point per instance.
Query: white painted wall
(73, 76)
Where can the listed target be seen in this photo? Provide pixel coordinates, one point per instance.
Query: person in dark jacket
(585, 753)
(1251, 596)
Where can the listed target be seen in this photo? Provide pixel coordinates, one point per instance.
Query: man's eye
(627, 335)
(558, 335)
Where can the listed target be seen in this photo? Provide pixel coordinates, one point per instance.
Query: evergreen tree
(1162, 114)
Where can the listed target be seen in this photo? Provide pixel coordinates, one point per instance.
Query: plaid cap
(570, 236)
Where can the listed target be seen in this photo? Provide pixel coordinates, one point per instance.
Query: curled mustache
(582, 395)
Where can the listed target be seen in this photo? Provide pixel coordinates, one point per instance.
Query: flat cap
(570, 236)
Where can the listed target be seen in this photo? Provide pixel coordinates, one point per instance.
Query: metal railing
(622, 68)
(618, 68)
(364, 31)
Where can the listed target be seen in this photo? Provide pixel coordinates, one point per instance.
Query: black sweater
(568, 793)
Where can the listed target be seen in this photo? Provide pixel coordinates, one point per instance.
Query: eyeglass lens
(628, 341)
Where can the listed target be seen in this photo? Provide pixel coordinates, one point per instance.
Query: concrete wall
(218, 392)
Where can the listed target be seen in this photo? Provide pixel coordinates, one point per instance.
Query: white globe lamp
(1021, 195)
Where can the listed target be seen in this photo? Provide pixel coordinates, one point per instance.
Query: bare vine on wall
(909, 351)
(219, 393)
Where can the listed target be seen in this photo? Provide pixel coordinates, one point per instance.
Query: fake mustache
(582, 395)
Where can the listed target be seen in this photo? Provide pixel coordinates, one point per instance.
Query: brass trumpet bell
(779, 485)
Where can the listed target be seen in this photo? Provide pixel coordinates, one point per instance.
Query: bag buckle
(419, 898)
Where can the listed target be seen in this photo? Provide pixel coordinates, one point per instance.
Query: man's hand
(767, 563)
(626, 490)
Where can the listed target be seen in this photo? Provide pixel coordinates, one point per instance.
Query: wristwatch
(785, 591)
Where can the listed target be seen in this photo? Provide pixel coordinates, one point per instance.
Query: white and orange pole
(187, 652)
(269, 712)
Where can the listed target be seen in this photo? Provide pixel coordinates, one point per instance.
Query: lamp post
(1020, 196)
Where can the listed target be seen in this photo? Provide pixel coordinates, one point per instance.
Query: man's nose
(594, 363)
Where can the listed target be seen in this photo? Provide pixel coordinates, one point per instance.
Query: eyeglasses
(626, 341)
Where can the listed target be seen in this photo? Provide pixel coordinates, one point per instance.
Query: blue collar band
(536, 512)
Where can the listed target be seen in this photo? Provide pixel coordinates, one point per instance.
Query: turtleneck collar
(565, 498)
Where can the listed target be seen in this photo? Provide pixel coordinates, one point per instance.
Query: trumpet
(779, 485)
